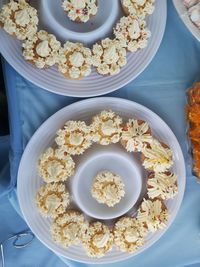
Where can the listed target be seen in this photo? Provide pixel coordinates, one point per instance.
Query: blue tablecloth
(161, 87)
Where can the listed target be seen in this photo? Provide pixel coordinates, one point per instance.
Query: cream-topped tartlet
(80, 10)
(68, 227)
(136, 134)
(162, 185)
(157, 157)
(54, 166)
(106, 127)
(74, 138)
(42, 49)
(75, 60)
(139, 8)
(19, 19)
(109, 56)
(108, 188)
(153, 214)
(129, 234)
(97, 239)
(52, 199)
(133, 30)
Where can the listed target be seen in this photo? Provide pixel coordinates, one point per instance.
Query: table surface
(162, 88)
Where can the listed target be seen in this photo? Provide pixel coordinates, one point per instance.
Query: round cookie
(75, 60)
(97, 239)
(162, 185)
(41, 50)
(106, 127)
(129, 234)
(19, 19)
(67, 228)
(136, 134)
(80, 10)
(52, 199)
(133, 30)
(74, 138)
(108, 188)
(139, 8)
(109, 56)
(153, 214)
(55, 166)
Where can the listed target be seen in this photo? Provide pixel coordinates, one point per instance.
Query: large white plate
(28, 180)
(182, 11)
(95, 84)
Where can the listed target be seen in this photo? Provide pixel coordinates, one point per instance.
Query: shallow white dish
(182, 11)
(28, 180)
(94, 85)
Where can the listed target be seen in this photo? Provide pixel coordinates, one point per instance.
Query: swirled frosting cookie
(55, 166)
(42, 49)
(108, 188)
(74, 138)
(52, 199)
(106, 127)
(67, 228)
(139, 8)
(80, 10)
(133, 30)
(75, 60)
(109, 56)
(157, 157)
(136, 134)
(153, 214)
(19, 19)
(162, 185)
(129, 234)
(97, 239)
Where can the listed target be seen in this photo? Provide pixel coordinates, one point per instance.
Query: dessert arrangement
(193, 9)
(193, 116)
(57, 164)
(73, 59)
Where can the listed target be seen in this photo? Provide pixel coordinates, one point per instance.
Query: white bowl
(96, 28)
(113, 158)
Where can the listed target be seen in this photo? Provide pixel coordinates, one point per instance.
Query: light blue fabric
(162, 88)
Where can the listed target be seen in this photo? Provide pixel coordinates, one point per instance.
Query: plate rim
(28, 76)
(181, 192)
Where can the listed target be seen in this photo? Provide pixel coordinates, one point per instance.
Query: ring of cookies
(74, 60)
(57, 164)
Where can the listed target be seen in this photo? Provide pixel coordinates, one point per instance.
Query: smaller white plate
(182, 11)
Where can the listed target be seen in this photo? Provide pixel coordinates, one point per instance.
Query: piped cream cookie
(133, 30)
(108, 188)
(153, 214)
(52, 199)
(42, 49)
(129, 234)
(19, 19)
(97, 239)
(54, 165)
(157, 157)
(139, 8)
(109, 56)
(74, 138)
(75, 60)
(136, 134)
(68, 227)
(106, 127)
(80, 10)
(162, 185)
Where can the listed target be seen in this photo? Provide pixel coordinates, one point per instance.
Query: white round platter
(182, 11)
(55, 21)
(29, 182)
